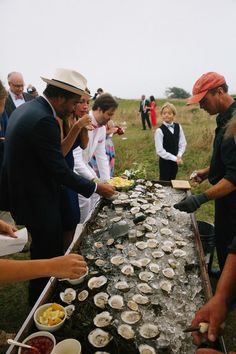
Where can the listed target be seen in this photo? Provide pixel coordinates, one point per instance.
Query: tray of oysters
(143, 286)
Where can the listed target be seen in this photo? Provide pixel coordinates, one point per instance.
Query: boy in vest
(170, 143)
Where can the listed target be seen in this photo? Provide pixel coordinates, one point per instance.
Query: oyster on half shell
(149, 330)
(68, 295)
(125, 331)
(116, 302)
(102, 319)
(83, 295)
(99, 338)
(97, 282)
(101, 299)
(140, 299)
(130, 317)
(146, 349)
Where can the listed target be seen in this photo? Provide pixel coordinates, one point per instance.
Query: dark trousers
(47, 242)
(168, 169)
(225, 225)
(145, 118)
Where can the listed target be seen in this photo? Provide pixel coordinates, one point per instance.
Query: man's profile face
(210, 103)
(104, 117)
(66, 106)
(16, 84)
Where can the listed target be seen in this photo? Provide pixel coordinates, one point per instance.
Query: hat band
(65, 83)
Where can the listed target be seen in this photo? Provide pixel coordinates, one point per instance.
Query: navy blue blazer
(34, 168)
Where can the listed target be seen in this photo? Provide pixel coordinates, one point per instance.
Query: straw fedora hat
(69, 80)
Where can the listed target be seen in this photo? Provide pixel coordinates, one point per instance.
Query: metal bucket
(207, 236)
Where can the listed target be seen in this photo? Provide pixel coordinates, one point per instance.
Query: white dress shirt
(159, 144)
(17, 102)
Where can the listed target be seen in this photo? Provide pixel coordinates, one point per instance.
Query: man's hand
(200, 175)
(105, 190)
(7, 229)
(71, 266)
(191, 203)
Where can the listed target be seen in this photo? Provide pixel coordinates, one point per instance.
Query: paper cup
(67, 346)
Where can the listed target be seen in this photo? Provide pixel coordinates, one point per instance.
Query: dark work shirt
(223, 161)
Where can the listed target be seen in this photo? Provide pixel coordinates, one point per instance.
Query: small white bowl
(43, 327)
(67, 346)
(78, 280)
(39, 334)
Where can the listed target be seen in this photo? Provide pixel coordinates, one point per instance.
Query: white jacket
(96, 146)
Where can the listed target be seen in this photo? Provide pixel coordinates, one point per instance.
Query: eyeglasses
(17, 86)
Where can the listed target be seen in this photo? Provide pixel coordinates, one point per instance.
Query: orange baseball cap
(205, 83)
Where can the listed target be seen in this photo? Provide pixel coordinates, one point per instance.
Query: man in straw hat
(211, 92)
(34, 168)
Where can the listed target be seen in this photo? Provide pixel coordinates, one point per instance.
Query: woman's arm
(70, 266)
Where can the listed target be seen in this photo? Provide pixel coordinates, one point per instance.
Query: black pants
(225, 225)
(47, 242)
(168, 169)
(145, 118)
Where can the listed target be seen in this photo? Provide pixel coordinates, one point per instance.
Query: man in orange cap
(211, 92)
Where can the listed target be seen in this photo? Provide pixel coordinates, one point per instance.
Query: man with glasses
(211, 92)
(16, 96)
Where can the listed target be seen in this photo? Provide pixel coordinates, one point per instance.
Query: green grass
(138, 152)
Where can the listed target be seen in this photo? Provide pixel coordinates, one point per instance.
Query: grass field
(137, 152)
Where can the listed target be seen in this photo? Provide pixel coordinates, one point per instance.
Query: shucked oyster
(83, 295)
(127, 270)
(154, 267)
(126, 331)
(97, 282)
(122, 286)
(168, 273)
(116, 302)
(117, 260)
(68, 295)
(132, 305)
(130, 317)
(149, 330)
(166, 286)
(179, 253)
(145, 288)
(140, 299)
(99, 338)
(103, 319)
(146, 349)
(101, 299)
(146, 276)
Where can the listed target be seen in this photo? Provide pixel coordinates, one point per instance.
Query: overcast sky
(127, 47)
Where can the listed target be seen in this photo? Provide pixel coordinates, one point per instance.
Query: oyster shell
(127, 270)
(122, 286)
(150, 221)
(150, 235)
(179, 253)
(90, 257)
(110, 241)
(98, 244)
(152, 243)
(165, 231)
(97, 282)
(116, 302)
(144, 261)
(125, 331)
(145, 288)
(101, 299)
(148, 227)
(116, 219)
(146, 349)
(157, 254)
(140, 299)
(119, 246)
(68, 295)
(117, 260)
(135, 263)
(130, 317)
(154, 267)
(69, 310)
(83, 295)
(102, 319)
(149, 330)
(141, 245)
(132, 253)
(168, 273)
(173, 263)
(132, 305)
(134, 210)
(100, 262)
(166, 286)
(99, 338)
(146, 276)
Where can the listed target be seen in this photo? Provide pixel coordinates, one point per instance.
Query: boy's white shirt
(96, 146)
(159, 144)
